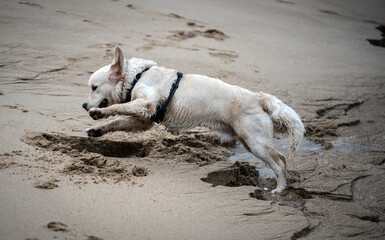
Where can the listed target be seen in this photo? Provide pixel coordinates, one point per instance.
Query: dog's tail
(284, 117)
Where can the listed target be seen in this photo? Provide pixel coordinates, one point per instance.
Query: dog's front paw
(93, 132)
(96, 113)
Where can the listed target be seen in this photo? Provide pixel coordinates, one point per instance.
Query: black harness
(161, 107)
(136, 79)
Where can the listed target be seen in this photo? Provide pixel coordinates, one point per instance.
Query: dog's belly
(225, 131)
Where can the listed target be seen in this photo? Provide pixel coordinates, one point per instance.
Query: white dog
(232, 111)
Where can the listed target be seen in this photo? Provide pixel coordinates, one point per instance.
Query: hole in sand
(108, 148)
(202, 148)
(379, 42)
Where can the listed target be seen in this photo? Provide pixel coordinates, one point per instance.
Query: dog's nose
(84, 106)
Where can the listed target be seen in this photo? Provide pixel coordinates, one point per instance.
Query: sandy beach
(325, 59)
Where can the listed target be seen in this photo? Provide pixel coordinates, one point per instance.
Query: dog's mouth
(103, 104)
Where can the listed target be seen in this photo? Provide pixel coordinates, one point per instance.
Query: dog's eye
(94, 88)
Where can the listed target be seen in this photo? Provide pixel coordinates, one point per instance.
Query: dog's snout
(84, 105)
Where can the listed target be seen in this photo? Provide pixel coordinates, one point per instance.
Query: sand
(323, 58)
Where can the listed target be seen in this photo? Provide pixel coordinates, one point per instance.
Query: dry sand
(314, 55)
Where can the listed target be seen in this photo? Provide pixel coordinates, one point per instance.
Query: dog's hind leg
(255, 132)
(127, 124)
(282, 157)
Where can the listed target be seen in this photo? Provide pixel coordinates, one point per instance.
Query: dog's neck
(131, 68)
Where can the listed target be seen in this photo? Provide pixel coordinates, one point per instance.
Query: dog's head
(106, 83)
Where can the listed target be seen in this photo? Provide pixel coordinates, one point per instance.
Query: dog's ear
(117, 66)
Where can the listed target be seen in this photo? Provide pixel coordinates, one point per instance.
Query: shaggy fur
(232, 111)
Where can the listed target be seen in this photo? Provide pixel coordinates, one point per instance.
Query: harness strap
(136, 79)
(161, 107)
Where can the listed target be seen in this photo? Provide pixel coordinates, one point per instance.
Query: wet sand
(323, 58)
